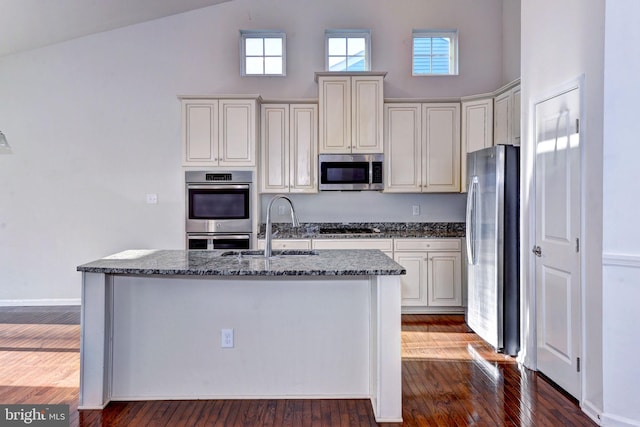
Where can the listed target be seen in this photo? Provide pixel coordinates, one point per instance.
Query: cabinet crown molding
(349, 73)
(223, 96)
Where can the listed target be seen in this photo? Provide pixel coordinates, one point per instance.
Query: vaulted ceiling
(30, 24)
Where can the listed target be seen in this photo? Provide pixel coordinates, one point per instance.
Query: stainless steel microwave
(351, 171)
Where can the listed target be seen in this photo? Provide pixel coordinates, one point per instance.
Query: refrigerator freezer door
(484, 311)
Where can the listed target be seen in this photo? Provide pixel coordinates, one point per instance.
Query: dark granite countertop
(214, 263)
(384, 230)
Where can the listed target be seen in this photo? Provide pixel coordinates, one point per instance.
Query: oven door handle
(230, 237)
(218, 186)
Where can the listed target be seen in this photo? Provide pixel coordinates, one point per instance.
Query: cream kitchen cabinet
(219, 131)
(289, 141)
(477, 131)
(385, 245)
(422, 147)
(290, 244)
(350, 112)
(506, 125)
(433, 282)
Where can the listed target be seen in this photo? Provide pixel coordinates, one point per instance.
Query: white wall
(95, 123)
(510, 40)
(562, 40)
(621, 236)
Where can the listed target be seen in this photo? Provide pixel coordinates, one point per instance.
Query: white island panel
(292, 338)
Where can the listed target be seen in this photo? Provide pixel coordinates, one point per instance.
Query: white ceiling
(30, 24)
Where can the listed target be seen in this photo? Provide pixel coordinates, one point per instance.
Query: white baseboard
(432, 310)
(611, 420)
(38, 302)
(591, 411)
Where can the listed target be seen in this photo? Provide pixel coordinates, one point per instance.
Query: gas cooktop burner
(356, 230)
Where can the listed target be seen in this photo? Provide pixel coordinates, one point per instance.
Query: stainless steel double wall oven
(219, 209)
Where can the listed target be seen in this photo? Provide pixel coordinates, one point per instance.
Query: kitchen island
(315, 324)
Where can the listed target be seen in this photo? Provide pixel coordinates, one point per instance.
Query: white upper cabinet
(516, 114)
(422, 147)
(441, 159)
(503, 108)
(506, 116)
(219, 132)
(199, 131)
(477, 131)
(289, 140)
(403, 147)
(350, 112)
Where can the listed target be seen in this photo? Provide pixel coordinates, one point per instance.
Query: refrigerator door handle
(471, 221)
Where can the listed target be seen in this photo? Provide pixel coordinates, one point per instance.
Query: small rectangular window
(347, 50)
(262, 53)
(435, 52)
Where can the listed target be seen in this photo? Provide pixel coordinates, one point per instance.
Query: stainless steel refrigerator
(493, 241)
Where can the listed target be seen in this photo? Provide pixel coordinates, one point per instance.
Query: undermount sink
(275, 253)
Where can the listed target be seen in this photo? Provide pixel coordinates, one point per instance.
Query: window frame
(362, 33)
(262, 34)
(453, 50)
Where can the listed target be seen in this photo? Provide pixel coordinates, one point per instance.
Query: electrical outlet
(152, 199)
(416, 210)
(226, 338)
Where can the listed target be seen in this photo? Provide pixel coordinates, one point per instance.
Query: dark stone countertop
(363, 262)
(384, 230)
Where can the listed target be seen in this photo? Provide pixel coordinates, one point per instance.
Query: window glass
(262, 53)
(347, 50)
(435, 53)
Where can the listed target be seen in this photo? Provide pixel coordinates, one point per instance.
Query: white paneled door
(557, 246)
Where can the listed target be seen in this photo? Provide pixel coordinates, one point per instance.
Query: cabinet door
(274, 137)
(403, 147)
(515, 117)
(444, 279)
(413, 285)
(441, 153)
(367, 99)
(502, 111)
(335, 114)
(477, 132)
(303, 158)
(200, 132)
(237, 135)
(286, 244)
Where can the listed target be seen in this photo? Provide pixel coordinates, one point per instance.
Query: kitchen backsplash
(370, 206)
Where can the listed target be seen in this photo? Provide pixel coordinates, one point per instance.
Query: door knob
(537, 250)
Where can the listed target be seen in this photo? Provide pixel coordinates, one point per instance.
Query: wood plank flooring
(450, 378)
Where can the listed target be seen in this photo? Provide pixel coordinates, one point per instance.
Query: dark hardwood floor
(450, 378)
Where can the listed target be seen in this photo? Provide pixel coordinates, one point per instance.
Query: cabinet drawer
(286, 244)
(427, 245)
(382, 244)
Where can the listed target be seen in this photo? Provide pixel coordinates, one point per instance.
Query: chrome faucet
(268, 236)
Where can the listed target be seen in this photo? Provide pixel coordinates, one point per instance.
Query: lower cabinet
(433, 282)
(286, 244)
(385, 245)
